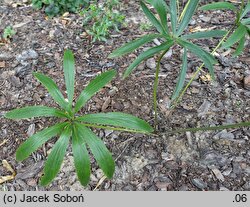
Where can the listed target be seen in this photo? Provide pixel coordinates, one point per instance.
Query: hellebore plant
(169, 36)
(74, 127)
(241, 26)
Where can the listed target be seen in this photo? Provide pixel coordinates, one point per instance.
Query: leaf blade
(117, 119)
(235, 37)
(99, 150)
(155, 22)
(53, 89)
(149, 53)
(206, 57)
(69, 74)
(34, 111)
(182, 76)
(161, 8)
(93, 87)
(205, 34)
(55, 158)
(173, 15)
(246, 10)
(131, 46)
(189, 11)
(240, 47)
(35, 141)
(81, 157)
(218, 5)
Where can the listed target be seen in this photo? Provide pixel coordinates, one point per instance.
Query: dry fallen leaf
(2, 64)
(3, 142)
(10, 169)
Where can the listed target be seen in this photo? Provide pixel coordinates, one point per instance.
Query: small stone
(195, 90)
(150, 63)
(236, 168)
(218, 174)
(192, 22)
(205, 18)
(247, 82)
(27, 55)
(227, 135)
(227, 171)
(113, 91)
(199, 183)
(15, 81)
(99, 173)
(167, 66)
(138, 163)
(222, 188)
(141, 66)
(204, 108)
(246, 186)
(162, 185)
(31, 130)
(168, 54)
(32, 182)
(166, 156)
(5, 56)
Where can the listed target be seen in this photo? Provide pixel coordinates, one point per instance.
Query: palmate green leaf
(155, 22)
(35, 141)
(69, 74)
(205, 34)
(98, 149)
(117, 119)
(235, 37)
(161, 8)
(81, 157)
(94, 86)
(55, 158)
(246, 10)
(53, 89)
(240, 47)
(182, 76)
(218, 5)
(189, 11)
(34, 111)
(131, 46)
(206, 57)
(147, 54)
(173, 15)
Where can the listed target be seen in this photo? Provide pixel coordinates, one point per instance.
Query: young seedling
(99, 20)
(170, 36)
(8, 33)
(74, 127)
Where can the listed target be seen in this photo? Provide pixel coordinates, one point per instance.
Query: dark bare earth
(215, 160)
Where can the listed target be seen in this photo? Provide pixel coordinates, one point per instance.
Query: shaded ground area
(191, 161)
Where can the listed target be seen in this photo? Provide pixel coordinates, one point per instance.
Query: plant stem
(156, 81)
(242, 124)
(114, 128)
(199, 69)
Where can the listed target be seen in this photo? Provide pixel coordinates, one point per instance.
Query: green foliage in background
(99, 19)
(74, 127)
(8, 32)
(57, 7)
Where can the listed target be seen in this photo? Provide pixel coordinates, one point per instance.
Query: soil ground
(214, 160)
